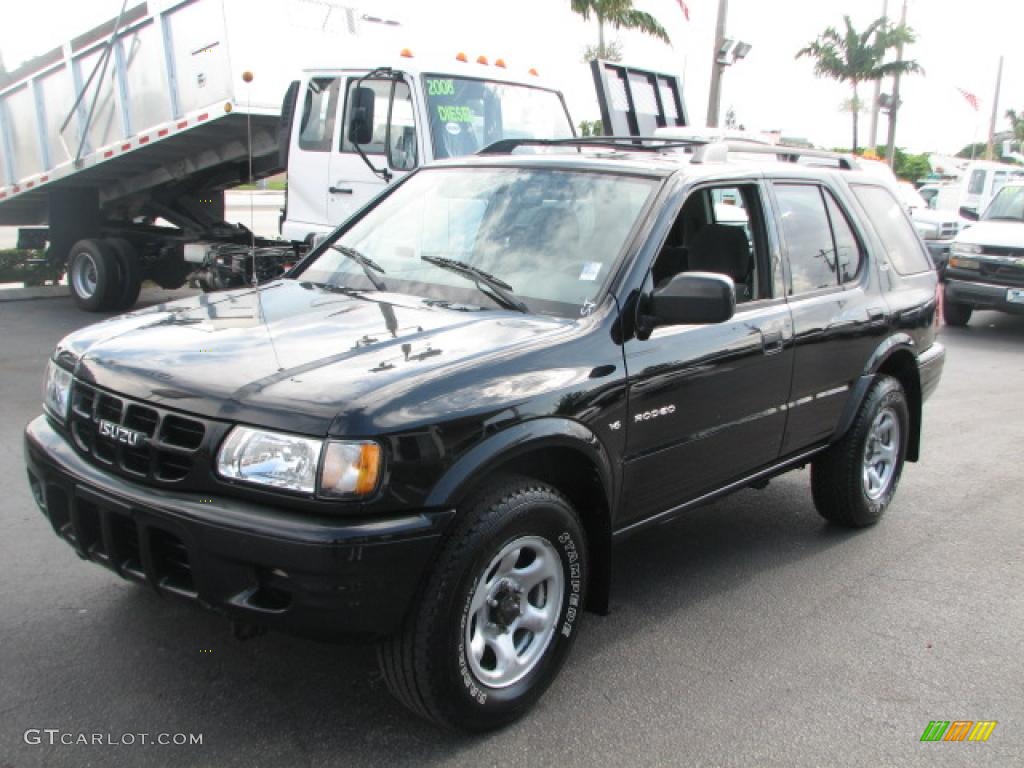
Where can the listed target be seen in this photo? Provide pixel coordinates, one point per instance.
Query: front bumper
(315, 576)
(981, 295)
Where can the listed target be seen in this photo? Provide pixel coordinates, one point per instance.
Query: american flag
(970, 97)
(685, 8)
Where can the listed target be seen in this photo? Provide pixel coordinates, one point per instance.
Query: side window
(401, 133)
(906, 253)
(809, 246)
(382, 94)
(319, 106)
(848, 253)
(719, 229)
(977, 183)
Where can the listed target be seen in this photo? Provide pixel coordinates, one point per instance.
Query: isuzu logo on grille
(121, 434)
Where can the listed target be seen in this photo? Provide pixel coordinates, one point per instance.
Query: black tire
(428, 665)
(93, 275)
(838, 481)
(131, 275)
(954, 313)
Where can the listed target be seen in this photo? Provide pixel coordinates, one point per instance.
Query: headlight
(270, 458)
(57, 391)
(350, 469)
(965, 248)
(962, 263)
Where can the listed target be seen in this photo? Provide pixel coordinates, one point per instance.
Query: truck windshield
(467, 115)
(551, 238)
(1008, 205)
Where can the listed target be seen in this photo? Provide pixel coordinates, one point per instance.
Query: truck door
(308, 159)
(707, 402)
(393, 149)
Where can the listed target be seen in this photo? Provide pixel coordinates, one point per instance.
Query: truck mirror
(360, 127)
(968, 213)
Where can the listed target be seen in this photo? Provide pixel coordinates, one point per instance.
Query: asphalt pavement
(749, 633)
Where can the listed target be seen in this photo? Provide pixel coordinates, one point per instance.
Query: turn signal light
(350, 469)
(533, 72)
(460, 56)
(499, 63)
(481, 59)
(406, 53)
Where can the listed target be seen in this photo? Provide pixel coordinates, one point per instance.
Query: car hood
(1001, 234)
(297, 357)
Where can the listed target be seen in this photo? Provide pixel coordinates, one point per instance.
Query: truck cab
(348, 132)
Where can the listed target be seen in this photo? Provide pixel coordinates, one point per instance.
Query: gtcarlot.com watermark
(57, 737)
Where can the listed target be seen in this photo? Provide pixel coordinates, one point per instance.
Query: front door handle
(340, 190)
(771, 342)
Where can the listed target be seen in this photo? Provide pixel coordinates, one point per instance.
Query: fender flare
(546, 432)
(859, 388)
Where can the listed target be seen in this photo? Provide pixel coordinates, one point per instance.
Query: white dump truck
(116, 148)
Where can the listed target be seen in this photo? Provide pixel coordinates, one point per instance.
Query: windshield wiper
(496, 288)
(369, 265)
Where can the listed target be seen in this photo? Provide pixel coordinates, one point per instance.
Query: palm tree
(620, 14)
(1016, 125)
(855, 57)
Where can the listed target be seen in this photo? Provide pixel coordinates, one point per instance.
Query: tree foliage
(619, 14)
(854, 57)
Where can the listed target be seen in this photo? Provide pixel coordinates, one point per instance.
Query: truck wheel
(131, 276)
(93, 275)
(854, 481)
(955, 313)
(499, 613)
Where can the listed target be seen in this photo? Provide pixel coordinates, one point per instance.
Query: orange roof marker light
(481, 59)
(460, 56)
(406, 53)
(499, 63)
(534, 72)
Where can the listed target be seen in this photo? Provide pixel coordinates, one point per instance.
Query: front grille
(949, 230)
(167, 455)
(992, 250)
(1008, 274)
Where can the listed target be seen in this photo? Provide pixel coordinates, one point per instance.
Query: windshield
(551, 236)
(467, 115)
(1008, 205)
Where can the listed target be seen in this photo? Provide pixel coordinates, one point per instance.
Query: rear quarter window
(906, 253)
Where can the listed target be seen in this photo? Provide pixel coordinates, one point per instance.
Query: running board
(743, 482)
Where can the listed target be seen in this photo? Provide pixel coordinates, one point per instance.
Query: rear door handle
(876, 313)
(340, 190)
(771, 342)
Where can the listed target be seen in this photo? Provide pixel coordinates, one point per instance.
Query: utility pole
(895, 106)
(990, 150)
(873, 132)
(714, 93)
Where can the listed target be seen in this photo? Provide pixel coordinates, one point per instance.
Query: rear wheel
(130, 274)
(498, 615)
(955, 313)
(854, 481)
(93, 275)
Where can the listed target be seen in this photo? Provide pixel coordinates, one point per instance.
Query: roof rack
(704, 150)
(631, 143)
(718, 151)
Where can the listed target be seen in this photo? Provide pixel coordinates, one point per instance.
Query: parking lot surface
(749, 633)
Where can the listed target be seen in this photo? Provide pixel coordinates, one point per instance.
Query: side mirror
(968, 213)
(360, 127)
(694, 298)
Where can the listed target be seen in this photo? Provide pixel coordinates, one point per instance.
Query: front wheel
(498, 615)
(854, 481)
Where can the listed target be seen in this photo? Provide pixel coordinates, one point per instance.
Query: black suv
(431, 431)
